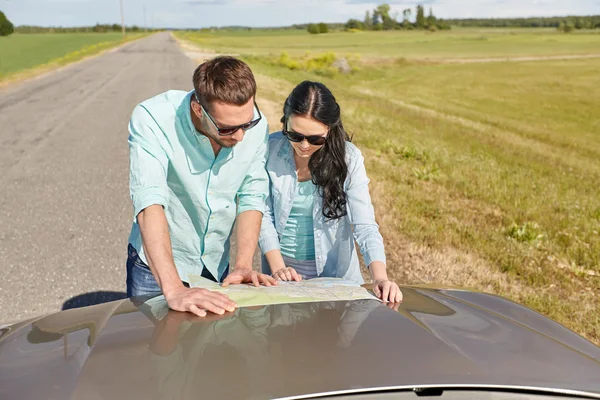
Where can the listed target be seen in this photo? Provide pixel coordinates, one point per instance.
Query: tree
(355, 24)
(431, 20)
(406, 13)
(565, 26)
(323, 28)
(313, 29)
(420, 22)
(6, 27)
(443, 25)
(383, 11)
(368, 23)
(375, 22)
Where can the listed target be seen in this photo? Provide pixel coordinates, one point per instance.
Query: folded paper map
(312, 290)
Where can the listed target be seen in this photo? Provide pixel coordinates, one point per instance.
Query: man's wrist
(240, 267)
(171, 288)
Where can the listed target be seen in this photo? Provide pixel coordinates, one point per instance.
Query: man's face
(224, 116)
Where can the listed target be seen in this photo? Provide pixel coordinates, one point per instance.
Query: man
(197, 162)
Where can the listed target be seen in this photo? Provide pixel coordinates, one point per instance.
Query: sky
(258, 13)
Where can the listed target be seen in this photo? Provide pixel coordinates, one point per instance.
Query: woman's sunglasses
(230, 130)
(315, 140)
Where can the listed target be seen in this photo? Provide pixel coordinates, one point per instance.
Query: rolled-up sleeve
(148, 163)
(253, 191)
(268, 239)
(360, 211)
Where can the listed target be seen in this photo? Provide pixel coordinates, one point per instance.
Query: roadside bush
(6, 27)
(321, 64)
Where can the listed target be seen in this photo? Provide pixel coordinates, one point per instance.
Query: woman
(319, 198)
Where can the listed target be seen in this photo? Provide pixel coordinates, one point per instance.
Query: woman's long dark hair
(328, 164)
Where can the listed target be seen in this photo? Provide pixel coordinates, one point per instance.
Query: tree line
(99, 28)
(575, 22)
(7, 28)
(382, 19)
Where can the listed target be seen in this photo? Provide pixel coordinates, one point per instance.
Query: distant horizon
(198, 14)
(300, 23)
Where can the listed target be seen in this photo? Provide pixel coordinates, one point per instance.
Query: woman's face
(306, 126)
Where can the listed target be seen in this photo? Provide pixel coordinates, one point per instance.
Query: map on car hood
(312, 290)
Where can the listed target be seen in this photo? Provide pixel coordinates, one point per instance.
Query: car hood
(437, 337)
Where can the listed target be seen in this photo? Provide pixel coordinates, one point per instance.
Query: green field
(484, 175)
(21, 52)
(462, 43)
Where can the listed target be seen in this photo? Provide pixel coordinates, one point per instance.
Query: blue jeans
(141, 282)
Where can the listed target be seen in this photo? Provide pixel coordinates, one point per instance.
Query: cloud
(227, 2)
(257, 13)
(205, 2)
(395, 2)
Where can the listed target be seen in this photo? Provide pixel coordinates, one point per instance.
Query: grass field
(462, 43)
(484, 175)
(22, 52)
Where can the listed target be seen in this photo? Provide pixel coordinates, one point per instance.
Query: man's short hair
(224, 79)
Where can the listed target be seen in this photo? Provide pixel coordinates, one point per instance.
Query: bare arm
(279, 270)
(157, 247)
(378, 271)
(275, 260)
(248, 228)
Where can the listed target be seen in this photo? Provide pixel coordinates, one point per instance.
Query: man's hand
(387, 291)
(245, 275)
(198, 301)
(287, 274)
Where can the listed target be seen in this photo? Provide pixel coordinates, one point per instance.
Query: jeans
(141, 282)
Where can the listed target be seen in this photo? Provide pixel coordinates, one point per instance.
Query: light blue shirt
(173, 165)
(298, 238)
(335, 251)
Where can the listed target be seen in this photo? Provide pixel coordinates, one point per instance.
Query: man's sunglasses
(230, 130)
(315, 140)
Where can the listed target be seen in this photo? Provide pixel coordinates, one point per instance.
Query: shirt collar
(286, 151)
(187, 111)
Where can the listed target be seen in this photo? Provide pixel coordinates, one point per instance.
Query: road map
(308, 291)
(313, 290)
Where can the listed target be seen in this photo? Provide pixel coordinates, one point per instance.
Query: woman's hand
(287, 274)
(387, 291)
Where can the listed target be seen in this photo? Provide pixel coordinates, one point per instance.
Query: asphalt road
(65, 212)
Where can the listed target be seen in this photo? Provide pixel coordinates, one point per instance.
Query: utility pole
(122, 19)
(145, 26)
